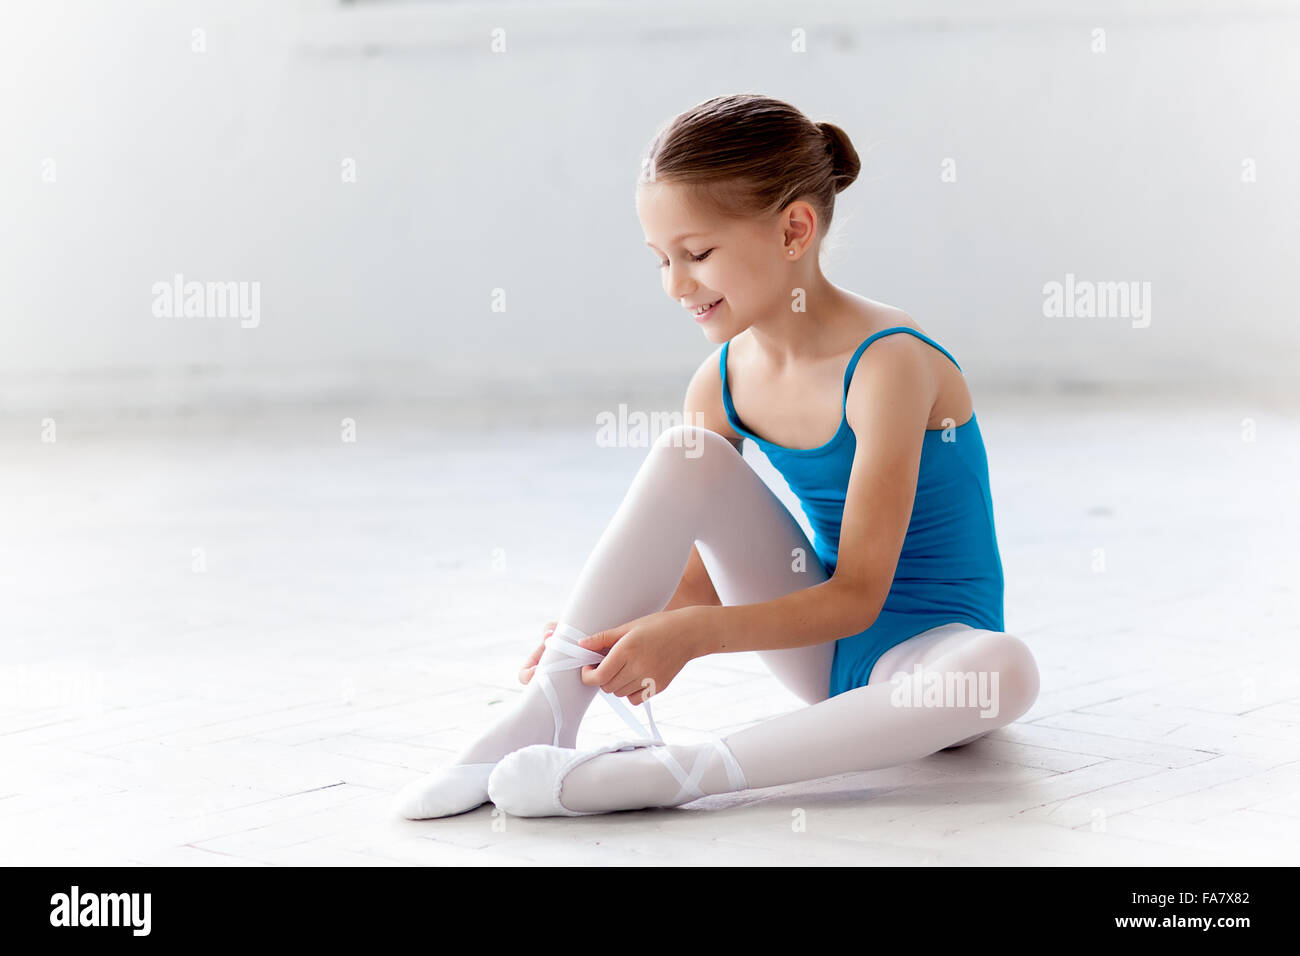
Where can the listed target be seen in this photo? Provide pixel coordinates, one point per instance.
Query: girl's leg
(966, 682)
(692, 487)
(695, 488)
(782, 561)
(921, 650)
(980, 680)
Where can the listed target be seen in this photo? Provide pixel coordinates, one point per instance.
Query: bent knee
(687, 463)
(692, 438)
(695, 450)
(1009, 661)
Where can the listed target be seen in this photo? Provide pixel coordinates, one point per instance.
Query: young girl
(871, 423)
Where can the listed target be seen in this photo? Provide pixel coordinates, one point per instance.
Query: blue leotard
(949, 569)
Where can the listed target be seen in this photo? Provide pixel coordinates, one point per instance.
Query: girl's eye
(700, 258)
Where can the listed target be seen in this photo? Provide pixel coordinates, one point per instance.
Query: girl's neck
(788, 337)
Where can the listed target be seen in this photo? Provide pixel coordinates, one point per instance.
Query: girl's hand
(645, 654)
(526, 672)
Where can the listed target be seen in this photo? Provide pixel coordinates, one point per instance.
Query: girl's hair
(747, 155)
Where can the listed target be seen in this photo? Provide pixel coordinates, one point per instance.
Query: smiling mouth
(704, 308)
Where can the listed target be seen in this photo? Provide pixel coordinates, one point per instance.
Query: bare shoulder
(894, 379)
(703, 403)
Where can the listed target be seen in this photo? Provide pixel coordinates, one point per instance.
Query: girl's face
(706, 260)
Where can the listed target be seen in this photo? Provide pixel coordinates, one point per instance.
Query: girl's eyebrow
(689, 235)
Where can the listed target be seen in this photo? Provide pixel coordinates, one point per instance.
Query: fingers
(647, 690)
(636, 691)
(530, 665)
(593, 676)
(603, 640)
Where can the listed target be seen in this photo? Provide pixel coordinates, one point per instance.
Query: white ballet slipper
(462, 787)
(444, 793)
(528, 782)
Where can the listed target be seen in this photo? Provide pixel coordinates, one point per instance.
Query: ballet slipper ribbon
(580, 657)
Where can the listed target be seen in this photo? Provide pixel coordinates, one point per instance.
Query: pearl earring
(791, 252)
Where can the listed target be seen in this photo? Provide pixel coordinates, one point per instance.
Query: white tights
(695, 488)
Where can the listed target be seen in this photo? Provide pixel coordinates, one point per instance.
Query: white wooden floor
(355, 610)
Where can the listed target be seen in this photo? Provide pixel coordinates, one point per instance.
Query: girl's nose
(679, 285)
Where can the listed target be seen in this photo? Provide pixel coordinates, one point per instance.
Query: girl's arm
(888, 407)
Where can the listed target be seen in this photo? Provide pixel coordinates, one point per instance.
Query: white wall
(478, 170)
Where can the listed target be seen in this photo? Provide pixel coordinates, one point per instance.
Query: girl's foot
(444, 793)
(540, 780)
(547, 712)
